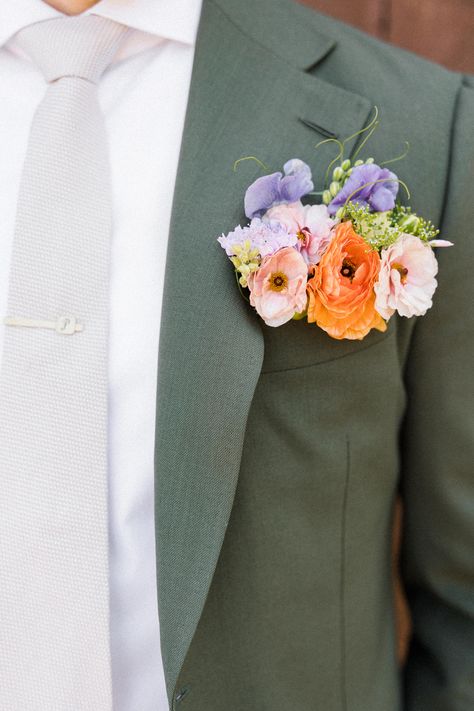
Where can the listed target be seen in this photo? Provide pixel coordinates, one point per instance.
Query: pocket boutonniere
(346, 264)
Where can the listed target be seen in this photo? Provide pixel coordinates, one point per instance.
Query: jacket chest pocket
(298, 344)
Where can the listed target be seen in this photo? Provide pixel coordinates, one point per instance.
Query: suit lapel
(211, 344)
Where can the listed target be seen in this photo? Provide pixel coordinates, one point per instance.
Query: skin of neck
(71, 7)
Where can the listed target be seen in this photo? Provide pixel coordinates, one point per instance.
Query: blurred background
(441, 30)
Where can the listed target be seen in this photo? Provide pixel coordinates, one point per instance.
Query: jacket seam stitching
(342, 578)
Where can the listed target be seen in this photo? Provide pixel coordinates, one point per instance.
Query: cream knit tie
(54, 598)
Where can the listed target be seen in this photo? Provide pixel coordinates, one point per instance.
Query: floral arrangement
(347, 264)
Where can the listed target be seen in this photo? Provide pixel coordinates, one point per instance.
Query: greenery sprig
(409, 222)
(381, 229)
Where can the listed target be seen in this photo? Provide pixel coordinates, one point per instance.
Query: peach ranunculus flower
(341, 290)
(278, 288)
(407, 278)
(312, 224)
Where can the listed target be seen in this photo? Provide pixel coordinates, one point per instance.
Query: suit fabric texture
(280, 452)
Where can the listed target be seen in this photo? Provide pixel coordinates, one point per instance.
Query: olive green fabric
(279, 452)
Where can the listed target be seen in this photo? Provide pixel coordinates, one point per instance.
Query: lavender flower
(276, 189)
(264, 237)
(365, 191)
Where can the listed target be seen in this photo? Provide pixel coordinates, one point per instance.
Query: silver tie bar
(65, 325)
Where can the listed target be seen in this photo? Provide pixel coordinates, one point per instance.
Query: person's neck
(71, 7)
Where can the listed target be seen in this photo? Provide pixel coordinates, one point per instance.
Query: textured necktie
(54, 598)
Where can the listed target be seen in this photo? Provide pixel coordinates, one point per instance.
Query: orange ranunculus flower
(341, 290)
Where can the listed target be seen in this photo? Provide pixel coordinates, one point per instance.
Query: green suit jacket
(279, 452)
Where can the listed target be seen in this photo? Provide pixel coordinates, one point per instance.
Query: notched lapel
(243, 100)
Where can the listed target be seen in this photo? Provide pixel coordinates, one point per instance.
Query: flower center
(348, 269)
(278, 281)
(403, 271)
(303, 234)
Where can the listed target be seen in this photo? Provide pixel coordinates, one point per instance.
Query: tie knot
(81, 46)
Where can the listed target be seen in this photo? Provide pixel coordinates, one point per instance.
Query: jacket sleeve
(437, 450)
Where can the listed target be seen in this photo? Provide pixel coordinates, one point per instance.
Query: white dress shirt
(144, 96)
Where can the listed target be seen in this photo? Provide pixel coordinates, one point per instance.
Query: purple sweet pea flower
(276, 188)
(379, 197)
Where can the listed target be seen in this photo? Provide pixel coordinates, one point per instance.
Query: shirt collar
(175, 20)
